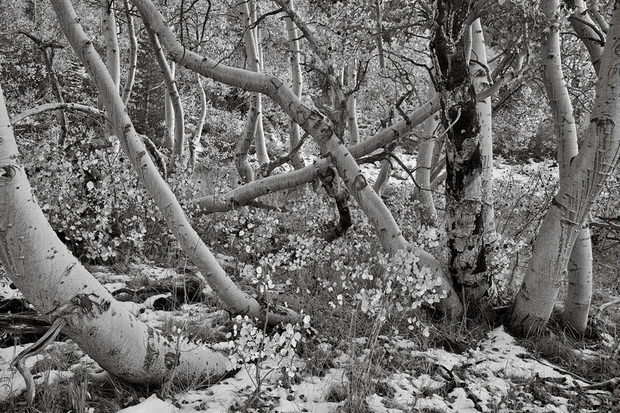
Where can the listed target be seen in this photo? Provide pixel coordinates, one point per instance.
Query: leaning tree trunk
(481, 81)
(236, 300)
(53, 280)
(428, 213)
(464, 206)
(584, 179)
(297, 83)
(580, 262)
(312, 122)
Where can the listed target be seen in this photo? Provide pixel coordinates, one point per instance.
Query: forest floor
(459, 368)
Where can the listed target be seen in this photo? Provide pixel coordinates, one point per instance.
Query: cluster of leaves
(97, 205)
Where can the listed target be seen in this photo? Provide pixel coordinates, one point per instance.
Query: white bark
(481, 81)
(199, 124)
(113, 59)
(428, 213)
(354, 134)
(48, 275)
(579, 293)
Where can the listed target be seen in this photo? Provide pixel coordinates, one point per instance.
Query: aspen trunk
(199, 124)
(113, 60)
(49, 276)
(297, 83)
(580, 262)
(235, 300)
(313, 122)
(175, 118)
(133, 54)
(254, 64)
(428, 213)
(464, 205)
(169, 116)
(354, 134)
(584, 179)
(383, 178)
(481, 81)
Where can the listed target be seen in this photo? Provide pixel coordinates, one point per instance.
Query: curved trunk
(54, 106)
(297, 83)
(235, 300)
(428, 213)
(584, 177)
(313, 122)
(175, 118)
(50, 277)
(133, 54)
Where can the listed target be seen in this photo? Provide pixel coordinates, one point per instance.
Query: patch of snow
(151, 405)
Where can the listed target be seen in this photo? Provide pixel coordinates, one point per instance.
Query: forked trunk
(583, 180)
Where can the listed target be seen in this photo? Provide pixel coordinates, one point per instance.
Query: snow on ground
(489, 378)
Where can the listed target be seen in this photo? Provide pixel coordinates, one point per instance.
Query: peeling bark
(464, 206)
